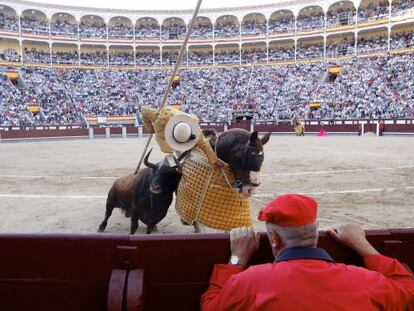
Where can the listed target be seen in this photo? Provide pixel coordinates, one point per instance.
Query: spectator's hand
(352, 236)
(244, 242)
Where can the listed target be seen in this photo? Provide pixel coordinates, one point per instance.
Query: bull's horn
(148, 164)
(180, 158)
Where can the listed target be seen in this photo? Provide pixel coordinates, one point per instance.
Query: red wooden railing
(397, 126)
(136, 272)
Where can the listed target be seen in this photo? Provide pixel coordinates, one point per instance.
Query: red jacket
(311, 284)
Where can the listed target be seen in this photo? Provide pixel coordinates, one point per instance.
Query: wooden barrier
(44, 133)
(130, 272)
(242, 125)
(219, 127)
(342, 128)
(338, 126)
(399, 128)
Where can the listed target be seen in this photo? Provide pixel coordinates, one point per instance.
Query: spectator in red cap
(304, 277)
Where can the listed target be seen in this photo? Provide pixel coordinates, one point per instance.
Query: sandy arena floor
(61, 186)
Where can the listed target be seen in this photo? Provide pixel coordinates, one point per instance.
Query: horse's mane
(241, 138)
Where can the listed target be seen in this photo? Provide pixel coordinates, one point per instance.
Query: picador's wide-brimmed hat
(182, 132)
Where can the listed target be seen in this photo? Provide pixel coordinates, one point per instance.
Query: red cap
(290, 210)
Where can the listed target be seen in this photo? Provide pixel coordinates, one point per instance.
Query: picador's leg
(110, 205)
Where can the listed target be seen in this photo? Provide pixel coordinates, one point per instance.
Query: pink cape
(322, 133)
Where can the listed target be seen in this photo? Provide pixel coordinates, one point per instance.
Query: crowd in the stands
(200, 57)
(374, 87)
(379, 43)
(99, 58)
(374, 11)
(92, 29)
(37, 56)
(9, 22)
(65, 58)
(254, 27)
(118, 30)
(42, 87)
(227, 26)
(225, 29)
(169, 57)
(9, 55)
(62, 27)
(282, 23)
(314, 50)
(402, 40)
(148, 58)
(202, 30)
(341, 17)
(148, 31)
(315, 20)
(223, 55)
(377, 87)
(227, 56)
(342, 48)
(280, 53)
(254, 55)
(33, 24)
(401, 6)
(173, 32)
(120, 58)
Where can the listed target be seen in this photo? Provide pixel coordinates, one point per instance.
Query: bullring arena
(61, 186)
(82, 88)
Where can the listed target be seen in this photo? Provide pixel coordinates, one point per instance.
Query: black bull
(145, 196)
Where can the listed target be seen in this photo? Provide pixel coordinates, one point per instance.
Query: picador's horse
(243, 151)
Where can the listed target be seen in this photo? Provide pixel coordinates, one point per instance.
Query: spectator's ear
(275, 239)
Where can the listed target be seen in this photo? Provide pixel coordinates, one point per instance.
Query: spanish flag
(176, 78)
(175, 81)
(34, 108)
(12, 74)
(334, 69)
(315, 104)
(176, 106)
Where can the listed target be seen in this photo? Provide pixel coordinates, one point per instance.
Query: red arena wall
(400, 127)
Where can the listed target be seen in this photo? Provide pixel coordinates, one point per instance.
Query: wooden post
(91, 135)
(116, 290)
(135, 290)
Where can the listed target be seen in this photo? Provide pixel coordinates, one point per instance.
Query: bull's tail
(110, 205)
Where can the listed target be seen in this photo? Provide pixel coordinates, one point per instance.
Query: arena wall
(342, 127)
(44, 133)
(397, 128)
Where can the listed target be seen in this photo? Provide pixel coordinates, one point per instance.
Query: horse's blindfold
(251, 160)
